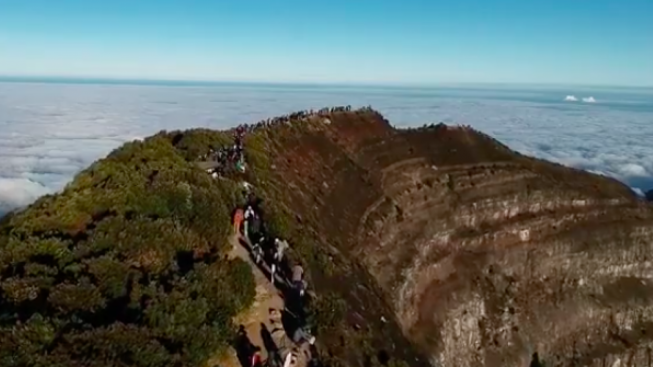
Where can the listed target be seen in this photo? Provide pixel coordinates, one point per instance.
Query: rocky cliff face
(483, 255)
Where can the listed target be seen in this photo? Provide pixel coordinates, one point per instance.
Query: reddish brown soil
(473, 254)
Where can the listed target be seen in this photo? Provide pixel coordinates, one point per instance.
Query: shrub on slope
(126, 266)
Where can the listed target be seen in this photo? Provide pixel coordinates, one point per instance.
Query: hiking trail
(267, 298)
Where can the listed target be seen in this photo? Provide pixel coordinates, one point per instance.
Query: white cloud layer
(19, 191)
(48, 132)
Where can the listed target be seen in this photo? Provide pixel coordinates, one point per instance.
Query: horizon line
(195, 82)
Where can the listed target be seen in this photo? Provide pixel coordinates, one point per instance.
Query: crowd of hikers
(298, 116)
(301, 116)
(228, 157)
(266, 250)
(269, 254)
(232, 157)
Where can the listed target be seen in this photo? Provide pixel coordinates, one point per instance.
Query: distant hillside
(436, 246)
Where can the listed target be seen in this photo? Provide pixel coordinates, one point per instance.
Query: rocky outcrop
(485, 256)
(649, 195)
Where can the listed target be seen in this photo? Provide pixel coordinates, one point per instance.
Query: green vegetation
(126, 266)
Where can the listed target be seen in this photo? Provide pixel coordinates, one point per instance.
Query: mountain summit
(433, 246)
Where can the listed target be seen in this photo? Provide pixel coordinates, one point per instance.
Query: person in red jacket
(239, 216)
(256, 358)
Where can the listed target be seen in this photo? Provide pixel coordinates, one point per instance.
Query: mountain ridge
(420, 243)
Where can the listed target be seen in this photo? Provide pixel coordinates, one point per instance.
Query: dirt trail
(267, 298)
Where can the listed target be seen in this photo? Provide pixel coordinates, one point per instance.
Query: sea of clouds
(50, 131)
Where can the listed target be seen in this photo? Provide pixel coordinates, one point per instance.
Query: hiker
(239, 216)
(535, 360)
(244, 347)
(219, 155)
(247, 187)
(255, 227)
(257, 249)
(219, 170)
(302, 334)
(278, 344)
(240, 166)
(248, 216)
(256, 360)
(298, 278)
(291, 360)
(314, 360)
(240, 132)
(279, 247)
(252, 200)
(273, 359)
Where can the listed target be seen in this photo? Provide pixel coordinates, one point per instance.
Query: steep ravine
(485, 256)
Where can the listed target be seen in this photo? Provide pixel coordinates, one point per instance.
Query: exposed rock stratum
(485, 256)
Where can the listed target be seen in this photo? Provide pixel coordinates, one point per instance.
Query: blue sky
(381, 41)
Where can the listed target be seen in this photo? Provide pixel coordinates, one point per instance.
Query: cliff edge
(484, 256)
